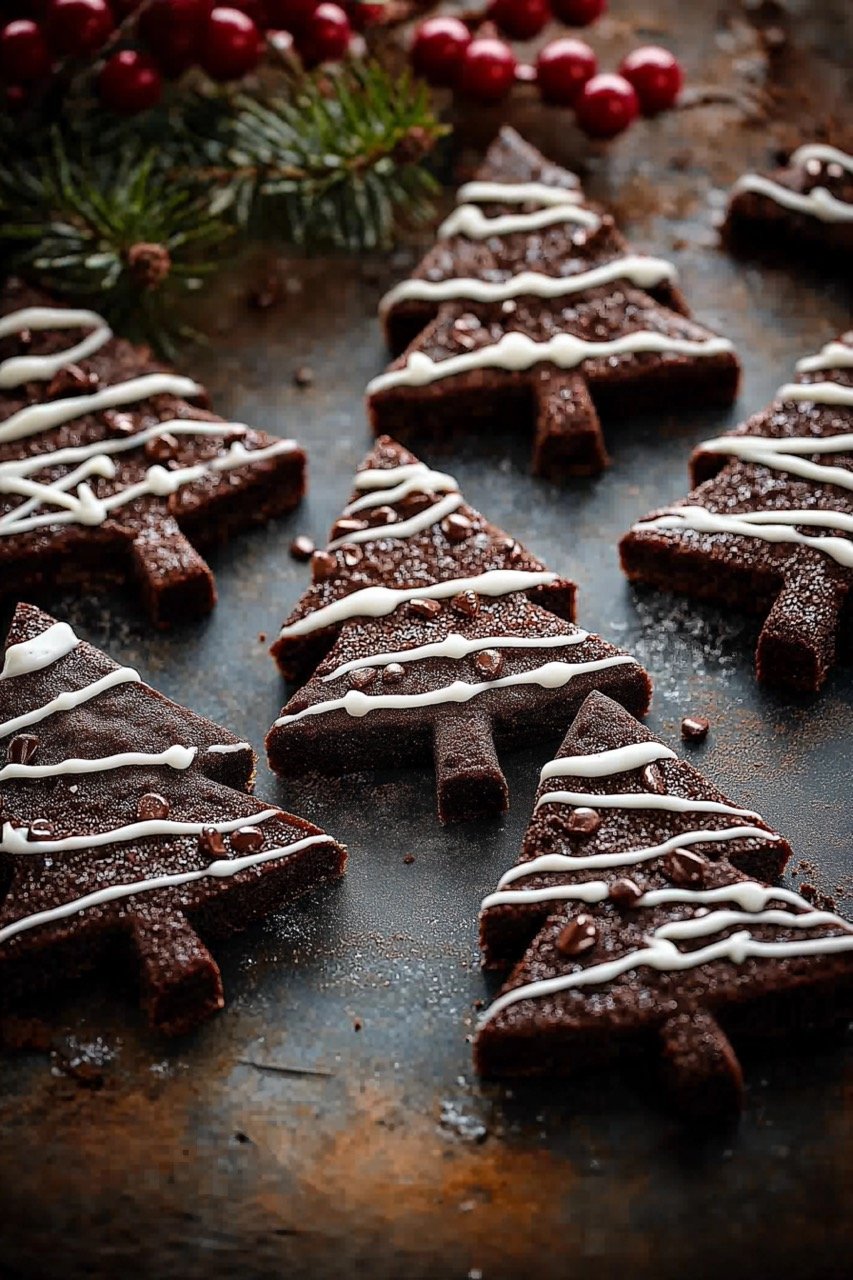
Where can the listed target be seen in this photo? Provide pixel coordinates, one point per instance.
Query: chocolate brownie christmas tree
(768, 528)
(125, 818)
(532, 311)
(807, 206)
(633, 920)
(108, 474)
(436, 635)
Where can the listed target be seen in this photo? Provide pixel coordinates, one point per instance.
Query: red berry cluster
(225, 40)
(484, 67)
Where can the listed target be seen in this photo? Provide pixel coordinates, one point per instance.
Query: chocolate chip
(303, 376)
(162, 448)
(247, 840)
(456, 528)
(425, 608)
(578, 936)
(41, 829)
(393, 673)
(323, 566)
(625, 892)
(152, 807)
(512, 549)
(489, 663)
(71, 381)
(362, 677)
(651, 779)
(119, 424)
(382, 515)
(583, 821)
(22, 748)
(684, 869)
(347, 524)
(695, 728)
(417, 500)
(467, 603)
(302, 548)
(408, 859)
(211, 843)
(351, 554)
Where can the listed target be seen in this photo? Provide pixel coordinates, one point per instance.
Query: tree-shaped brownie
(436, 635)
(108, 474)
(125, 819)
(634, 920)
(768, 527)
(807, 206)
(532, 313)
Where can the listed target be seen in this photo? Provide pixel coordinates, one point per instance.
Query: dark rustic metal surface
(328, 1123)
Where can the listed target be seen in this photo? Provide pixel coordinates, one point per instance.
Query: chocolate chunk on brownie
(109, 475)
(807, 206)
(437, 635)
(651, 925)
(768, 527)
(532, 309)
(126, 818)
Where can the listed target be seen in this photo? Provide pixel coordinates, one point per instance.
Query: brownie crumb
(302, 548)
(695, 728)
(408, 859)
(303, 376)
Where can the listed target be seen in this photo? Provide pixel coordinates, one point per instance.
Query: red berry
(606, 105)
(129, 82)
(15, 96)
(438, 49)
(520, 19)
(656, 76)
(563, 68)
(289, 15)
(254, 9)
(325, 36)
(487, 70)
(231, 44)
(173, 30)
(364, 13)
(578, 13)
(78, 26)
(23, 52)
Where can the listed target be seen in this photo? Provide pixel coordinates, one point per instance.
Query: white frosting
(602, 764)
(176, 757)
(390, 485)
(226, 748)
(20, 369)
(378, 602)
(822, 152)
(223, 867)
(835, 355)
(14, 839)
(480, 192)
(70, 699)
(818, 203)
(748, 894)
(777, 455)
(516, 351)
(401, 529)
(817, 393)
(554, 675)
(770, 526)
(641, 800)
(644, 272)
(40, 652)
(457, 647)
(469, 220)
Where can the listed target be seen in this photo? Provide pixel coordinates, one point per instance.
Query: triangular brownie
(439, 635)
(636, 922)
(532, 312)
(108, 474)
(125, 819)
(807, 205)
(768, 530)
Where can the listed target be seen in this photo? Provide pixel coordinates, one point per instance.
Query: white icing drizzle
(70, 699)
(516, 351)
(818, 202)
(835, 355)
(469, 220)
(644, 272)
(603, 764)
(223, 867)
(14, 839)
(378, 602)
(748, 894)
(824, 153)
(20, 369)
(779, 455)
(770, 526)
(389, 485)
(401, 529)
(176, 757)
(226, 748)
(42, 651)
(817, 393)
(457, 647)
(480, 192)
(641, 800)
(553, 675)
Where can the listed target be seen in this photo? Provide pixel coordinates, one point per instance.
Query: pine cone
(149, 264)
(413, 146)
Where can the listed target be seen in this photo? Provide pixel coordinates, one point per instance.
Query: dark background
(371, 1150)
